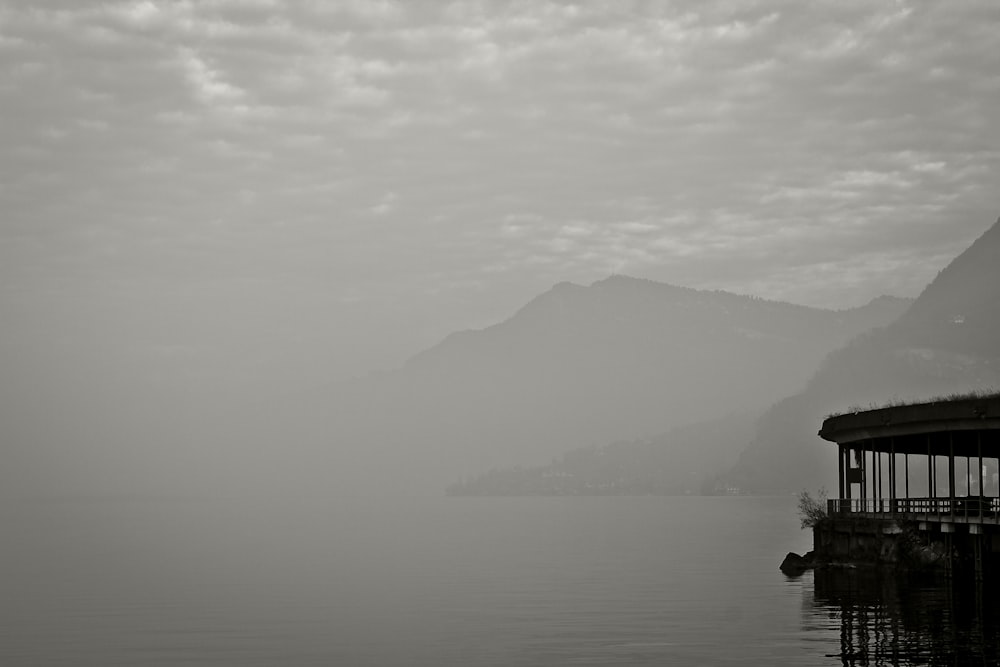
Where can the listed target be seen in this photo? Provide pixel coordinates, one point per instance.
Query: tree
(812, 510)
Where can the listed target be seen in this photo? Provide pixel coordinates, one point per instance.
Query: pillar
(979, 452)
(906, 474)
(840, 470)
(878, 478)
(859, 461)
(951, 473)
(892, 472)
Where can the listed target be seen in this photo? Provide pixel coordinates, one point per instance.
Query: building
(916, 481)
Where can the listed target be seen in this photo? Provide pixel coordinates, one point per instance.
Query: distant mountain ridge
(612, 307)
(620, 359)
(673, 463)
(945, 343)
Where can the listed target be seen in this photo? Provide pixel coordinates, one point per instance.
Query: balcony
(962, 509)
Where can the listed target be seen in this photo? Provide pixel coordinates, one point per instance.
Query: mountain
(620, 359)
(674, 463)
(945, 343)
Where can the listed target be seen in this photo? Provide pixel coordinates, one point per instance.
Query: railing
(978, 509)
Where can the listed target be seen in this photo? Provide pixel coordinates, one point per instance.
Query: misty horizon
(407, 332)
(213, 212)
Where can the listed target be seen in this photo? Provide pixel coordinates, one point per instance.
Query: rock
(795, 565)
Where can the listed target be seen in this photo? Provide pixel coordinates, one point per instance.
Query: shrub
(812, 510)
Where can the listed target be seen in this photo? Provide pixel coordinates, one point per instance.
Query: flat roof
(964, 427)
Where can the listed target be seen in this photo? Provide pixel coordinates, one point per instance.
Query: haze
(213, 205)
(281, 279)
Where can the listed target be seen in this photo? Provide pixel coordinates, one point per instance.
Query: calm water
(453, 581)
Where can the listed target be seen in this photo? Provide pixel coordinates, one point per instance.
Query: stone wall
(860, 541)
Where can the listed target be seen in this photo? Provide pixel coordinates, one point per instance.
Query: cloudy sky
(320, 188)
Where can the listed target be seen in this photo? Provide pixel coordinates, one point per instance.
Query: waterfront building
(929, 470)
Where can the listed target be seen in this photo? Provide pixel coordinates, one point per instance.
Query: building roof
(963, 427)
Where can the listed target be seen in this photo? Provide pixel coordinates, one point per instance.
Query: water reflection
(905, 620)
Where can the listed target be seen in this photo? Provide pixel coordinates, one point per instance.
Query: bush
(812, 510)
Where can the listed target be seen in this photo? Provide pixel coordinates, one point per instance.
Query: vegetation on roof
(894, 402)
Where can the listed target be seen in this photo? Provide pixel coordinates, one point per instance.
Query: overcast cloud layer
(324, 187)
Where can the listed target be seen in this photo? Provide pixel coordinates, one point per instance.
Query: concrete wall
(903, 545)
(861, 541)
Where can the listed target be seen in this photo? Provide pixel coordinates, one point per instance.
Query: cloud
(209, 84)
(385, 206)
(510, 145)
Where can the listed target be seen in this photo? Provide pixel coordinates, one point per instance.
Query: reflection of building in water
(916, 482)
(888, 620)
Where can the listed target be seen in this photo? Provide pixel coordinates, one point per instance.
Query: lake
(454, 581)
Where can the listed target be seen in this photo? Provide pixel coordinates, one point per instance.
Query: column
(840, 471)
(951, 474)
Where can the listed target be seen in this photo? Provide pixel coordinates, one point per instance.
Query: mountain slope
(621, 359)
(577, 366)
(674, 463)
(945, 343)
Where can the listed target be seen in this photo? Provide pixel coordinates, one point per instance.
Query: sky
(284, 193)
